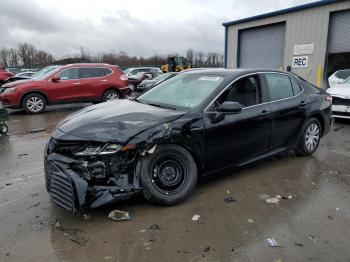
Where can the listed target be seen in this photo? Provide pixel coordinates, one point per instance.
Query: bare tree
(4, 57)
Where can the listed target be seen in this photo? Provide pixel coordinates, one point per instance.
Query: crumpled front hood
(117, 121)
(340, 91)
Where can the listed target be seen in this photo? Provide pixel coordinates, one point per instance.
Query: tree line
(26, 55)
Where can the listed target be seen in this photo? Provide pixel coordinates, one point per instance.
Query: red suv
(66, 84)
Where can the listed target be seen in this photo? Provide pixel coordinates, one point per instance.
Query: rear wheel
(310, 137)
(169, 175)
(34, 103)
(111, 95)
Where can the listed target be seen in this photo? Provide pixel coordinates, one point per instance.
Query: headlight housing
(100, 150)
(9, 90)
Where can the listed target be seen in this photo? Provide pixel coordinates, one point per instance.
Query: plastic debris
(229, 200)
(118, 215)
(154, 227)
(272, 242)
(313, 238)
(263, 197)
(298, 244)
(250, 220)
(196, 217)
(86, 216)
(273, 200)
(337, 209)
(207, 249)
(76, 237)
(142, 230)
(228, 192)
(36, 130)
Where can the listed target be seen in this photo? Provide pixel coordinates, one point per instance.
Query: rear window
(280, 86)
(94, 72)
(343, 74)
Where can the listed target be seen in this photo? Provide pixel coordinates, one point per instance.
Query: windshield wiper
(159, 105)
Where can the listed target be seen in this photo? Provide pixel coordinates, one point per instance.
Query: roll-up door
(262, 46)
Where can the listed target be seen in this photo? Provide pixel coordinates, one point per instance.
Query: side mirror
(230, 107)
(148, 76)
(55, 79)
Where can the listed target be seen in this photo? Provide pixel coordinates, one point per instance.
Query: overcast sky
(141, 28)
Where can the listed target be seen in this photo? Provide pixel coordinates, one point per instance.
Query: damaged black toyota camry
(197, 123)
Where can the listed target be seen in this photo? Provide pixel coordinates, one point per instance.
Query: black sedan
(196, 123)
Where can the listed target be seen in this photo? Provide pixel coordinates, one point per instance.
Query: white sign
(304, 49)
(300, 61)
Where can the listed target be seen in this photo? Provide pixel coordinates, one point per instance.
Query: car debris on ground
(118, 215)
(312, 237)
(272, 242)
(36, 130)
(229, 200)
(196, 217)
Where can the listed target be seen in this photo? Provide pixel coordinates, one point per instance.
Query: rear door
(288, 106)
(239, 137)
(93, 82)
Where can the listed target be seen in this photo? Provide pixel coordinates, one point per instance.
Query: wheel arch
(112, 89)
(34, 92)
(320, 119)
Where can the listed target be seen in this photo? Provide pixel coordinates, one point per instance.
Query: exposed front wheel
(169, 175)
(34, 103)
(310, 138)
(111, 95)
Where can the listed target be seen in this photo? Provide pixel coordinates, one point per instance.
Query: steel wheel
(112, 96)
(169, 174)
(312, 137)
(35, 104)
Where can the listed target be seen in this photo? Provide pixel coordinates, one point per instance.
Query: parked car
(338, 77)
(341, 99)
(4, 74)
(66, 84)
(133, 71)
(149, 83)
(134, 81)
(19, 76)
(196, 123)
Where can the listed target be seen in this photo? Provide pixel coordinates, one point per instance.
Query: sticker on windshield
(209, 78)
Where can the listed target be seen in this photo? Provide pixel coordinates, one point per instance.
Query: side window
(296, 87)
(103, 71)
(88, 72)
(245, 91)
(146, 70)
(279, 86)
(71, 73)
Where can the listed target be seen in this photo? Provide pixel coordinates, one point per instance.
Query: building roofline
(283, 11)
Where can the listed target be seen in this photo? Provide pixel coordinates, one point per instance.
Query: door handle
(76, 83)
(264, 114)
(303, 104)
(103, 80)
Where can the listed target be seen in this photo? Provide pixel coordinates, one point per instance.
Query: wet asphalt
(311, 224)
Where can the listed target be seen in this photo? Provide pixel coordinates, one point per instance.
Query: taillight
(329, 99)
(124, 77)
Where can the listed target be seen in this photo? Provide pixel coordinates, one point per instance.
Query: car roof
(88, 65)
(230, 72)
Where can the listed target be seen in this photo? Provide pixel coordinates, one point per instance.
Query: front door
(233, 138)
(66, 88)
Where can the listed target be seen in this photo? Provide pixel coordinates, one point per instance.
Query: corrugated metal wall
(302, 27)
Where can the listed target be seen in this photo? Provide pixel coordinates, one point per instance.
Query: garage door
(262, 47)
(340, 33)
(339, 42)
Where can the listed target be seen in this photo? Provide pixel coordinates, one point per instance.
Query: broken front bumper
(72, 192)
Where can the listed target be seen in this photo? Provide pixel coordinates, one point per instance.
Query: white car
(338, 77)
(341, 99)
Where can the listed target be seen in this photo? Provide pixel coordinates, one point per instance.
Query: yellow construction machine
(176, 64)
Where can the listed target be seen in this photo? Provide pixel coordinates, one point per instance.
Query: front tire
(310, 138)
(111, 95)
(169, 175)
(34, 103)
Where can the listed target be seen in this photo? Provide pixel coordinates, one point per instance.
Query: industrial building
(311, 40)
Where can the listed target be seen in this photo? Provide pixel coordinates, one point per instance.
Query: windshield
(347, 81)
(184, 91)
(162, 77)
(45, 72)
(127, 71)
